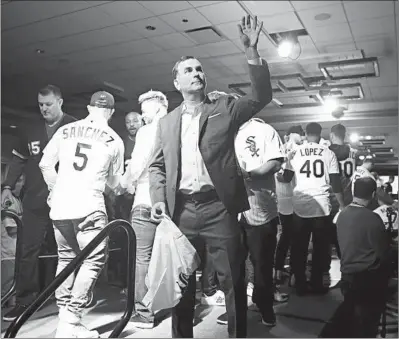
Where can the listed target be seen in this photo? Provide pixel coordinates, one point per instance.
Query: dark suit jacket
(219, 123)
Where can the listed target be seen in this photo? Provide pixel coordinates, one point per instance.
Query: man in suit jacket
(194, 176)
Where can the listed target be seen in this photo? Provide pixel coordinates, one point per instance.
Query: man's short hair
(133, 112)
(154, 95)
(368, 160)
(339, 130)
(364, 188)
(297, 129)
(51, 89)
(178, 62)
(313, 129)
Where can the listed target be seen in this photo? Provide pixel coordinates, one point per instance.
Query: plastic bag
(172, 262)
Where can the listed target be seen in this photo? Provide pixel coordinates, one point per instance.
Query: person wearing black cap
(365, 262)
(315, 168)
(36, 223)
(90, 156)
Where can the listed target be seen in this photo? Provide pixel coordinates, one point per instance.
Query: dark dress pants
(35, 225)
(320, 228)
(208, 222)
(261, 245)
(285, 240)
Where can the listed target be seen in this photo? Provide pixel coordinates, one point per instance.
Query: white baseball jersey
(347, 168)
(382, 212)
(255, 144)
(285, 190)
(312, 164)
(362, 172)
(89, 153)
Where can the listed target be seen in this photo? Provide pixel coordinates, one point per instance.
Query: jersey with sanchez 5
(89, 153)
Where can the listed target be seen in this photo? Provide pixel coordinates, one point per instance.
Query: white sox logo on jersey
(252, 146)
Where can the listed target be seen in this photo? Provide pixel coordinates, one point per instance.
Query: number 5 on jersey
(80, 153)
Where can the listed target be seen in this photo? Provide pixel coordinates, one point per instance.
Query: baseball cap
(296, 129)
(102, 99)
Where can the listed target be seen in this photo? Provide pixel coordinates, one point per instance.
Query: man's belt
(198, 196)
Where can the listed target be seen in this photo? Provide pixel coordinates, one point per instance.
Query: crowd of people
(227, 181)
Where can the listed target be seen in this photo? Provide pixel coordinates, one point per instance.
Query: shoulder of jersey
(69, 118)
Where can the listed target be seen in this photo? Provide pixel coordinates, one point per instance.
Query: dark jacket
(219, 123)
(26, 157)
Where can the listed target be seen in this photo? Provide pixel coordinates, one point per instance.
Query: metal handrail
(18, 221)
(71, 267)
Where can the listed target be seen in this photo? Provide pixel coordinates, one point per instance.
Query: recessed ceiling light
(13, 126)
(150, 28)
(322, 16)
(39, 51)
(185, 20)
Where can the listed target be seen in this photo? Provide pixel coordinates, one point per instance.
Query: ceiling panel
(170, 41)
(364, 29)
(196, 51)
(381, 46)
(336, 11)
(267, 8)
(232, 60)
(221, 48)
(338, 33)
(202, 3)
(362, 10)
(125, 11)
(139, 27)
(307, 46)
(327, 47)
(45, 30)
(195, 20)
(165, 7)
(302, 5)
(229, 30)
(384, 92)
(226, 11)
(18, 13)
(133, 62)
(93, 18)
(388, 73)
(161, 58)
(281, 22)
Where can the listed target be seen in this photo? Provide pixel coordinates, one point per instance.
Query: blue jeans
(72, 236)
(145, 235)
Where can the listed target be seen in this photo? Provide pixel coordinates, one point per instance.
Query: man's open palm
(249, 31)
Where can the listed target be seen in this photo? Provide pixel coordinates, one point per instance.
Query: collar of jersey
(252, 120)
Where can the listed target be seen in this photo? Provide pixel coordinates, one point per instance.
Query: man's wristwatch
(6, 188)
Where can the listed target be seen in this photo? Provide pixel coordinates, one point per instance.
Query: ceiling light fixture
(13, 126)
(286, 46)
(354, 137)
(331, 104)
(322, 17)
(39, 51)
(150, 28)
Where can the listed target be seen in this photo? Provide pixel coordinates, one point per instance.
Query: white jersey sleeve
(49, 160)
(116, 168)
(332, 162)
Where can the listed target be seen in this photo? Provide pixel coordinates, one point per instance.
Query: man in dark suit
(194, 176)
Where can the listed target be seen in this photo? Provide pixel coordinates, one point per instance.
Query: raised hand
(249, 32)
